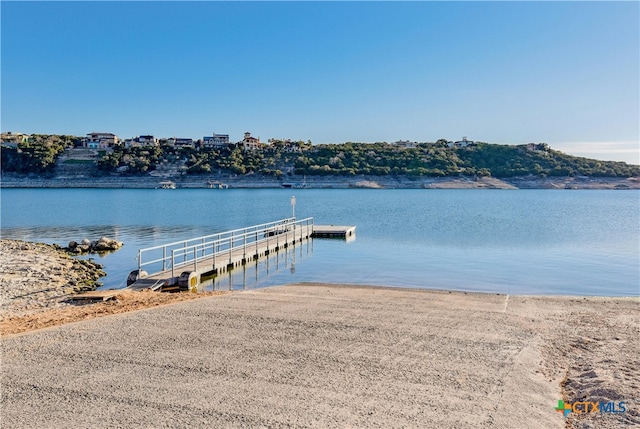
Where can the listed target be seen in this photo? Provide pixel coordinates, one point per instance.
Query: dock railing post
(164, 258)
(195, 258)
(173, 260)
(139, 262)
(214, 253)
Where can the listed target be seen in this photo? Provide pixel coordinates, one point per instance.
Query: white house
(461, 143)
(405, 144)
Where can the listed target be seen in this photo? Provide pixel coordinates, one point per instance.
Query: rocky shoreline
(251, 181)
(38, 282)
(37, 276)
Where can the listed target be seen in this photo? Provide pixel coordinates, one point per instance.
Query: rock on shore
(104, 244)
(35, 276)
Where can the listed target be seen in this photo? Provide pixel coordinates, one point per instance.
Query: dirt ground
(331, 356)
(125, 301)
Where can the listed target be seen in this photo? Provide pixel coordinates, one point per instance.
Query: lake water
(521, 242)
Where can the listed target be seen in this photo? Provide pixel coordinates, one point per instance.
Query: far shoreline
(252, 181)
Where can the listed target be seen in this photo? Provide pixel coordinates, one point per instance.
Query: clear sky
(565, 73)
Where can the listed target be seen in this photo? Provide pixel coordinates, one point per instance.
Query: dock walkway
(184, 263)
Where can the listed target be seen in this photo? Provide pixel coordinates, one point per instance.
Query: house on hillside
(13, 139)
(538, 147)
(180, 142)
(286, 145)
(141, 141)
(250, 143)
(100, 140)
(405, 144)
(215, 141)
(461, 143)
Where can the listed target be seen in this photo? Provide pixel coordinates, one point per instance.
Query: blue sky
(565, 73)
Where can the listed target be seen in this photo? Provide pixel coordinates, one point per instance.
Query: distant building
(537, 147)
(180, 142)
(286, 145)
(250, 143)
(13, 139)
(215, 141)
(405, 144)
(147, 140)
(100, 140)
(461, 143)
(141, 141)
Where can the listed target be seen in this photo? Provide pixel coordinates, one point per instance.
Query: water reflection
(127, 233)
(267, 271)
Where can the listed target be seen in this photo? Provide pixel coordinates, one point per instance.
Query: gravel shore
(331, 356)
(38, 276)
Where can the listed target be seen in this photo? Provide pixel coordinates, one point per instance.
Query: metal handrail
(224, 243)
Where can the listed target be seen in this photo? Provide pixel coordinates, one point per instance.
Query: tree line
(303, 158)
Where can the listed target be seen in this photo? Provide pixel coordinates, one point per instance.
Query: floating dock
(333, 231)
(184, 263)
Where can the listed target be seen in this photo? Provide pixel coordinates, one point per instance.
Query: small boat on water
(166, 185)
(217, 185)
(295, 185)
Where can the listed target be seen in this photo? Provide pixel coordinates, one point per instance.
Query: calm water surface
(525, 242)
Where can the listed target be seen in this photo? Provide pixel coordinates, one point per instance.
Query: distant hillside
(278, 159)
